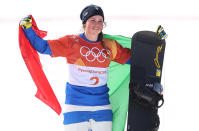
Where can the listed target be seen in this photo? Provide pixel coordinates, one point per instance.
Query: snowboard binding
(149, 95)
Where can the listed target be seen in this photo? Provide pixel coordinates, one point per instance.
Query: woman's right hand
(26, 22)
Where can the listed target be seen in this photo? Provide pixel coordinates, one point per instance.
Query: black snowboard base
(147, 53)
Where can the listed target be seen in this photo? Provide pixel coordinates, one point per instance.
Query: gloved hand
(26, 22)
(158, 88)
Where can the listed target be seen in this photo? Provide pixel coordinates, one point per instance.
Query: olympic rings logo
(94, 54)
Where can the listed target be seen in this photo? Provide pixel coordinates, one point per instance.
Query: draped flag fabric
(32, 61)
(118, 83)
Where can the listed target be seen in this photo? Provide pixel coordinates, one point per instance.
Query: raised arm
(38, 43)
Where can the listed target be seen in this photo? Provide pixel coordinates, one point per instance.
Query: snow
(20, 110)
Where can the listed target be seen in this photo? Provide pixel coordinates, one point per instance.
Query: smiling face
(94, 25)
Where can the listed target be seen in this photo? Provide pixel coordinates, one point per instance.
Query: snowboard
(146, 96)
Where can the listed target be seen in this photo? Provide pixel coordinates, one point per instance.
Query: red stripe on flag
(32, 61)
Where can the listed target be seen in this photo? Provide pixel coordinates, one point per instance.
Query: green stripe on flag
(118, 83)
